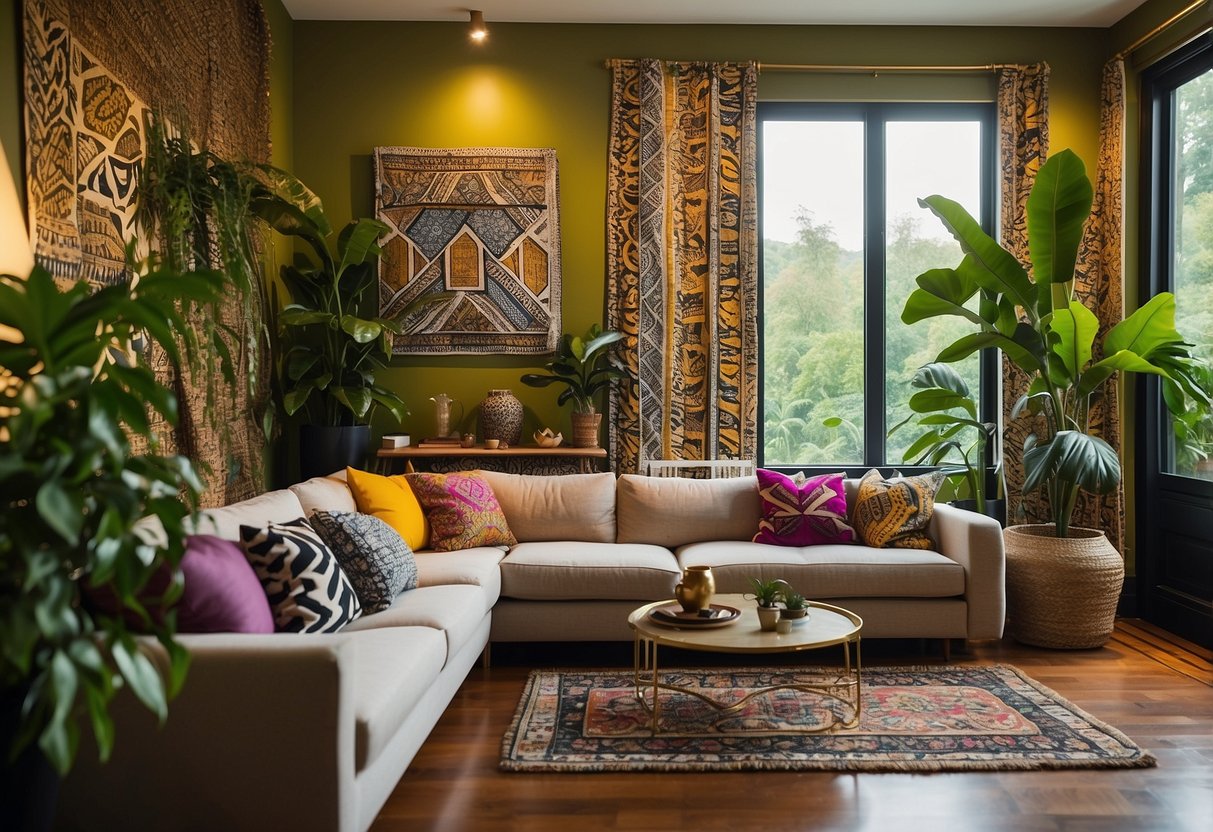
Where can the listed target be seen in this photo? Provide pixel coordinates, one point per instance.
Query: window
(1181, 238)
(843, 238)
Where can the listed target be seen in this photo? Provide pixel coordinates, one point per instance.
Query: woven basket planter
(585, 429)
(1061, 592)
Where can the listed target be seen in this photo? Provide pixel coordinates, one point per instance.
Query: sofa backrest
(568, 507)
(672, 511)
(271, 507)
(329, 493)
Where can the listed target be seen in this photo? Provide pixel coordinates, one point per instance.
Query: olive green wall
(359, 85)
(11, 133)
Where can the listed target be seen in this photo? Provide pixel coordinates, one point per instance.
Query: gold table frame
(827, 625)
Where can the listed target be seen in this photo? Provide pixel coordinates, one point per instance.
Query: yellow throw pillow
(392, 501)
(893, 513)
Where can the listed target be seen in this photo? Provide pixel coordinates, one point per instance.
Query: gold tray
(673, 615)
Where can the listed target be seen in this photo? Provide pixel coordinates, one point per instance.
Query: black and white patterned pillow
(372, 554)
(307, 591)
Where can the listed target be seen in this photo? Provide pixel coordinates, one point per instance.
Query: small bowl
(492, 444)
(546, 439)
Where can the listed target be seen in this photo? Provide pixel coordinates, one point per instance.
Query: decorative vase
(768, 617)
(1061, 591)
(694, 592)
(325, 449)
(501, 417)
(585, 429)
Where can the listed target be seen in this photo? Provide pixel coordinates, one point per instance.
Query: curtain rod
(878, 68)
(1159, 29)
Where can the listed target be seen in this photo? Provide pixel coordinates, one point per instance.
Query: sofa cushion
(672, 511)
(478, 567)
(392, 501)
(455, 609)
(572, 570)
(221, 592)
(830, 571)
(270, 507)
(570, 507)
(307, 591)
(895, 512)
(462, 511)
(392, 670)
(372, 555)
(808, 512)
(330, 493)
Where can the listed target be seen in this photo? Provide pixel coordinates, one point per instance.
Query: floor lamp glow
(16, 255)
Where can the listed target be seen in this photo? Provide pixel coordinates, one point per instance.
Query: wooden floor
(1157, 692)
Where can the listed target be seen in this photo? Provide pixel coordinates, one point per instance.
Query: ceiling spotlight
(478, 31)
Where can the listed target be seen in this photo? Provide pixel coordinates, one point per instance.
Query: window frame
(875, 116)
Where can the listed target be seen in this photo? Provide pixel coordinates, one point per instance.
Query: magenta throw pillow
(222, 593)
(802, 515)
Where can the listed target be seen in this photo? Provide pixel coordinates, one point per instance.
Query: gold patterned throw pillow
(893, 513)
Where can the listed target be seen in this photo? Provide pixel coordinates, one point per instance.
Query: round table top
(826, 625)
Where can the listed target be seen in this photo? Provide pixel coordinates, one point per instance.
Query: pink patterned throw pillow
(802, 515)
(462, 510)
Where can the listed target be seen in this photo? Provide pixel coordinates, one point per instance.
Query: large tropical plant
(1039, 324)
(74, 398)
(584, 365)
(330, 351)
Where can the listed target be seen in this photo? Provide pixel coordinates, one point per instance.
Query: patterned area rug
(991, 718)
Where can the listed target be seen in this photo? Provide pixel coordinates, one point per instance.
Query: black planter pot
(324, 449)
(29, 785)
(994, 508)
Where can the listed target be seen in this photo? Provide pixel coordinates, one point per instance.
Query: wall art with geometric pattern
(482, 223)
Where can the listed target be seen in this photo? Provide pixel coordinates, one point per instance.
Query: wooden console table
(520, 459)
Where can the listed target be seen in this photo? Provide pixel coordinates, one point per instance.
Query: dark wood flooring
(1155, 689)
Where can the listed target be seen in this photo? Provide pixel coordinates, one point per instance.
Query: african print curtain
(1098, 284)
(681, 260)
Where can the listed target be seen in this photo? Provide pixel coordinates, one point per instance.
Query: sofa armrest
(975, 542)
(261, 736)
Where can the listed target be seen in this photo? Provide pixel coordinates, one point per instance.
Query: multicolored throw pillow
(307, 591)
(372, 554)
(893, 513)
(462, 510)
(807, 514)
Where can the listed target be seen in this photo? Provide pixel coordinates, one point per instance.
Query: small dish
(673, 615)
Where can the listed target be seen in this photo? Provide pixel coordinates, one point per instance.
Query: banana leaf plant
(330, 352)
(946, 410)
(585, 366)
(1039, 325)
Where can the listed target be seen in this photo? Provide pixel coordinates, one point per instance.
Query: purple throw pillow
(222, 593)
(802, 515)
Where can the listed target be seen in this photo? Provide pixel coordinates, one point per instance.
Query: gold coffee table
(827, 625)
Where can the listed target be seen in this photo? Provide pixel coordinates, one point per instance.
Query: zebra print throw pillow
(307, 591)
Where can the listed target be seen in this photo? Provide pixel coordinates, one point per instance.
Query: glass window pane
(813, 213)
(1192, 268)
(924, 158)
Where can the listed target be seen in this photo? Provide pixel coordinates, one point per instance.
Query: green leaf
(292, 400)
(299, 316)
(357, 242)
(140, 674)
(1123, 361)
(1149, 328)
(360, 329)
(966, 345)
(940, 375)
(937, 398)
(1057, 208)
(60, 509)
(941, 292)
(1072, 457)
(1075, 328)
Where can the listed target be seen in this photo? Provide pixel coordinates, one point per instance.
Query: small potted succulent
(795, 605)
(767, 595)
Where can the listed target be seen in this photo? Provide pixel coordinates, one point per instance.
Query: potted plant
(585, 366)
(1062, 583)
(329, 352)
(795, 605)
(767, 595)
(75, 400)
(941, 392)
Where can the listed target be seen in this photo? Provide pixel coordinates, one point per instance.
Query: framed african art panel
(482, 224)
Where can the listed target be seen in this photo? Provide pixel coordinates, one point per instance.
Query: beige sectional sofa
(312, 732)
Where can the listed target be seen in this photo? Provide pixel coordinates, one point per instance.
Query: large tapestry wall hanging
(94, 69)
(482, 224)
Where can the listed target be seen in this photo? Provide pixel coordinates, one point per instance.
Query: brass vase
(694, 592)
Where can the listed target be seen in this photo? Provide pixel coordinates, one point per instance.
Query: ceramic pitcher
(694, 592)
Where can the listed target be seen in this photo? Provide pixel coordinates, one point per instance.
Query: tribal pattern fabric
(94, 69)
(1099, 282)
(681, 260)
(1023, 144)
(894, 513)
(483, 224)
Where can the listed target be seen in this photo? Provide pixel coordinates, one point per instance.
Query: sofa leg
(486, 656)
(947, 649)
